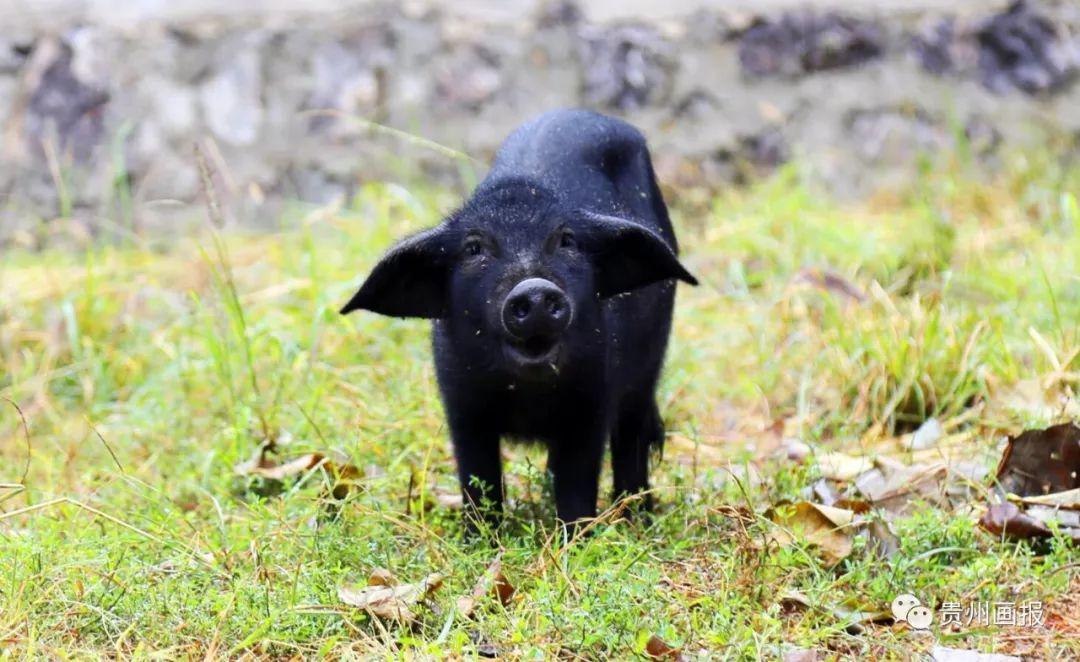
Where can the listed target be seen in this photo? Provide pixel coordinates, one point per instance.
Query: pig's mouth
(534, 352)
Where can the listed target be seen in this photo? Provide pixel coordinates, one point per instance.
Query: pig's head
(518, 279)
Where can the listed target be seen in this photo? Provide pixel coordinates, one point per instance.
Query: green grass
(147, 372)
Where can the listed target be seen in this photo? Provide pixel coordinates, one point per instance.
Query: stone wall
(102, 109)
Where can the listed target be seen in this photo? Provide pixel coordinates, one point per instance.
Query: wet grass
(146, 374)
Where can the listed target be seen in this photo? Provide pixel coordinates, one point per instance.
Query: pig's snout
(536, 308)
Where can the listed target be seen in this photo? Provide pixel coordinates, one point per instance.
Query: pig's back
(590, 161)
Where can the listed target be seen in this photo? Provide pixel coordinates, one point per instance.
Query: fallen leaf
(493, 582)
(881, 539)
(1065, 518)
(1041, 461)
(1038, 471)
(382, 577)
(658, 649)
(853, 619)
(385, 598)
(821, 491)
(1006, 518)
(802, 655)
(1069, 499)
(841, 467)
(943, 654)
(1037, 398)
(260, 463)
(905, 489)
(345, 476)
(826, 528)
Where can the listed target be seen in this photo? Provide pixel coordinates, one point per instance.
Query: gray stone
(64, 115)
(626, 67)
(798, 43)
(232, 99)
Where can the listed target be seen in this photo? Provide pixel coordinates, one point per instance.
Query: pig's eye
(473, 246)
(566, 239)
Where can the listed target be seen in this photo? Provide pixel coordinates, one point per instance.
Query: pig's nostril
(553, 303)
(520, 308)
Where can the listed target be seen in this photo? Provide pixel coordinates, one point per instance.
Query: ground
(149, 373)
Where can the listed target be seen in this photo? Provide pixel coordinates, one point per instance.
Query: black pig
(551, 292)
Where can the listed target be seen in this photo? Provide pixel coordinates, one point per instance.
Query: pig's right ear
(409, 281)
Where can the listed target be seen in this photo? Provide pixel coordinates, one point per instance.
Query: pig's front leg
(480, 472)
(575, 463)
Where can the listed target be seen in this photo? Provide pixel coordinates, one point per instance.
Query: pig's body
(619, 286)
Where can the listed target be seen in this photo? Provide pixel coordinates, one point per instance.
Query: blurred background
(104, 105)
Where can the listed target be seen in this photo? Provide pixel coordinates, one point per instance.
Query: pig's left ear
(410, 280)
(627, 255)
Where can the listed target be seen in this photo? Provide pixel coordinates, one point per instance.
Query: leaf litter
(1037, 486)
(385, 597)
(272, 475)
(491, 582)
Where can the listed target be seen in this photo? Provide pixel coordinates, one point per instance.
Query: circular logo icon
(902, 604)
(920, 617)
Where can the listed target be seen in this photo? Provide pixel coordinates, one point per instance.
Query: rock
(467, 77)
(932, 46)
(801, 43)
(349, 75)
(894, 135)
(173, 107)
(696, 105)
(231, 99)
(625, 67)
(559, 13)
(1016, 49)
(62, 110)
(1020, 48)
(90, 59)
(12, 54)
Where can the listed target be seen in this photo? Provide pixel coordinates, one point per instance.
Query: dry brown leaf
(294, 467)
(1041, 461)
(260, 465)
(382, 577)
(385, 598)
(493, 582)
(881, 539)
(853, 619)
(658, 649)
(1069, 500)
(900, 492)
(1037, 398)
(1008, 519)
(826, 528)
(841, 467)
(1033, 521)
